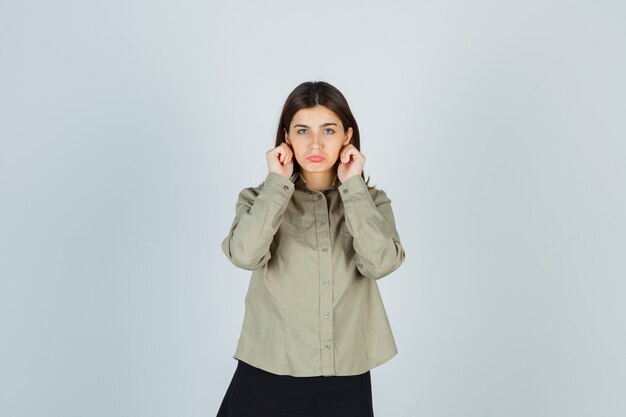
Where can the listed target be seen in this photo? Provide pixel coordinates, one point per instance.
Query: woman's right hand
(280, 160)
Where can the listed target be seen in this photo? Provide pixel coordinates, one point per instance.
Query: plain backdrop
(127, 130)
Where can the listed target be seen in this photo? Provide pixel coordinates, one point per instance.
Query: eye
(300, 130)
(331, 130)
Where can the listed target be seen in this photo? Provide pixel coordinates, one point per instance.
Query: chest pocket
(293, 236)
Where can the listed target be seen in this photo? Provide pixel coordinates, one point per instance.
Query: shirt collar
(299, 181)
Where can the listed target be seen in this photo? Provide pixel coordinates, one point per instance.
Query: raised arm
(258, 214)
(371, 223)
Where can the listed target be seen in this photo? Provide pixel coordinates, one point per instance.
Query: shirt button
(285, 187)
(359, 264)
(319, 196)
(326, 282)
(324, 250)
(345, 190)
(323, 223)
(326, 346)
(326, 315)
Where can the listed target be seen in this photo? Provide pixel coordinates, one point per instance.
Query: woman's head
(316, 120)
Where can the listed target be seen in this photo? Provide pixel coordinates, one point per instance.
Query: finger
(345, 158)
(281, 153)
(346, 153)
(289, 153)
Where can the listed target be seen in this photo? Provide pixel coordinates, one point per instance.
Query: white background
(127, 130)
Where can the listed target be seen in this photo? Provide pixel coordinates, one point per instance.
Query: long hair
(312, 93)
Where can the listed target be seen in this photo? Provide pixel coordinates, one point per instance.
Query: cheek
(335, 152)
(334, 156)
(299, 153)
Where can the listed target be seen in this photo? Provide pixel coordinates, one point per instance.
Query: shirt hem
(276, 372)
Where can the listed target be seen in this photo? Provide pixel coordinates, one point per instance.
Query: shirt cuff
(352, 187)
(276, 182)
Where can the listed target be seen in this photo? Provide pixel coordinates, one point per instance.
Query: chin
(317, 168)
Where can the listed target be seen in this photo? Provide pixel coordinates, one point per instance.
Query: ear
(348, 136)
(286, 136)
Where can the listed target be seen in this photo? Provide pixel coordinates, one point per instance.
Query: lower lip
(315, 159)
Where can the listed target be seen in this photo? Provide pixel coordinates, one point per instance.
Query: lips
(315, 158)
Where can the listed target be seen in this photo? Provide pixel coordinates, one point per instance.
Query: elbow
(249, 266)
(238, 256)
(386, 264)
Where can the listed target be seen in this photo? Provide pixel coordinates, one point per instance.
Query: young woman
(317, 239)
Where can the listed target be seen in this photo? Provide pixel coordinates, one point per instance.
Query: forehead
(315, 116)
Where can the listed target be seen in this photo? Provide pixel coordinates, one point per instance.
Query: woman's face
(317, 131)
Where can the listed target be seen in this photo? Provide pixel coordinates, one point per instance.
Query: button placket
(326, 293)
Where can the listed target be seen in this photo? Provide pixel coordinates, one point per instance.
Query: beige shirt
(313, 306)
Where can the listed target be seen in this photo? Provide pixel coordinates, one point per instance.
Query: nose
(315, 140)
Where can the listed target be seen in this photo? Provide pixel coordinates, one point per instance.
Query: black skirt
(254, 392)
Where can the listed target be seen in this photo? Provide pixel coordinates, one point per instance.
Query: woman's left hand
(351, 162)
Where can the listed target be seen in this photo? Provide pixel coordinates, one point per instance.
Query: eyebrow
(322, 125)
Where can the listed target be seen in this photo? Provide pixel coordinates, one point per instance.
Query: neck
(319, 181)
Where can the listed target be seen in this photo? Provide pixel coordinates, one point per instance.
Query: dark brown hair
(312, 93)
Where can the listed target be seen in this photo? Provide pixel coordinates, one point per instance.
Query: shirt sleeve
(371, 223)
(258, 214)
